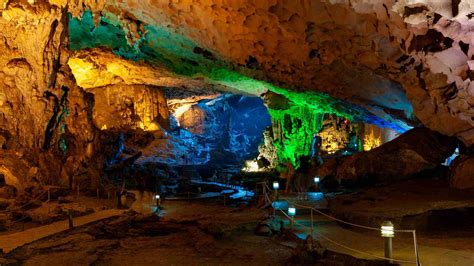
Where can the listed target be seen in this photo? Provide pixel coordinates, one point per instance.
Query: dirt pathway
(15, 240)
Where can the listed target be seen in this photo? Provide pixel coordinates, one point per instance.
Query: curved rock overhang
(395, 60)
(398, 62)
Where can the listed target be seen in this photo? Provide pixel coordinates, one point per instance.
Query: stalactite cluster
(293, 131)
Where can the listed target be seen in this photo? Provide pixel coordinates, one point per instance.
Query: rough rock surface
(269, 226)
(409, 61)
(130, 107)
(462, 173)
(417, 150)
(370, 53)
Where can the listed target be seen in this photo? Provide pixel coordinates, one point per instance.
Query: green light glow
(293, 129)
(160, 46)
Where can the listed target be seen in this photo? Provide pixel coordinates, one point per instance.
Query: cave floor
(207, 233)
(190, 233)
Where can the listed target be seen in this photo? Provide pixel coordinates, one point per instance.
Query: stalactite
(293, 129)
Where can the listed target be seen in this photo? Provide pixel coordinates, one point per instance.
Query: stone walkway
(15, 240)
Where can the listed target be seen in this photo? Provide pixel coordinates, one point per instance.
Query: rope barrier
(344, 246)
(339, 220)
(344, 222)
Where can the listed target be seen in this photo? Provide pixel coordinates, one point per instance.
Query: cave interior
(147, 113)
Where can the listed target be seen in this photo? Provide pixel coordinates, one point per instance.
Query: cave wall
(29, 65)
(130, 107)
(394, 64)
(44, 116)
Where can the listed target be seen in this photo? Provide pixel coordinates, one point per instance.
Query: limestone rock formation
(130, 107)
(370, 53)
(417, 150)
(462, 174)
(396, 64)
(193, 119)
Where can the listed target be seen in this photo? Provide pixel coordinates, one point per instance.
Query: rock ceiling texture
(405, 61)
(394, 63)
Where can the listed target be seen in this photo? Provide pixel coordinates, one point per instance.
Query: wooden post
(225, 197)
(78, 189)
(312, 223)
(69, 216)
(108, 194)
(49, 194)
(98, 193)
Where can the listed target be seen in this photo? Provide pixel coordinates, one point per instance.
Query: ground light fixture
(316, 182)
(387, 232)
(292, 213)
(276, 185)
(158, 200)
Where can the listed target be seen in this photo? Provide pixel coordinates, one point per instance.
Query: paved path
(15, 240)
(371, 242)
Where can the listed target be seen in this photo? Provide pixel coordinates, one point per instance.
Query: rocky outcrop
(462, 172)
(130, 107)
(417, 150)
(193, 119)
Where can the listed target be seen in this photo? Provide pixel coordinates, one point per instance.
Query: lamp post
(276, 186)
(387, 233)
(316, 182)
(292, 213)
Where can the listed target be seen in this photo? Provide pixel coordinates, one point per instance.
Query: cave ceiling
(392, 63)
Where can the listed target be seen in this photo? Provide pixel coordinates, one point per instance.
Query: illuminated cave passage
(165, 128)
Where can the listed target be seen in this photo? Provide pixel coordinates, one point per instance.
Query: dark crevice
(205, 53)
(450, 92)
(421, 82)
(402, 58)
(464, 47)
(386, 10)
(59, 107)
(433, 41)
(414, 10)
(437, 17)
(313, 54)
(252, 62)
(455, 7)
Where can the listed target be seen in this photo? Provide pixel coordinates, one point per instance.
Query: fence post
(69, 216)
(416, 249)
